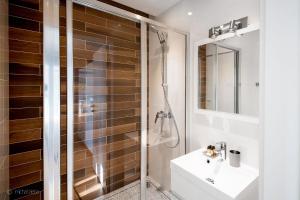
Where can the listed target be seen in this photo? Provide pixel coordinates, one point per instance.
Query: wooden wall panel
(4, 99)
(107, 68)
(202, 74)
(25, 98)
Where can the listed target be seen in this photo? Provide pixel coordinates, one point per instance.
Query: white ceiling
(152, 7)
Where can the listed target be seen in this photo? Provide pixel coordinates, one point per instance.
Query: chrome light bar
(229, 27)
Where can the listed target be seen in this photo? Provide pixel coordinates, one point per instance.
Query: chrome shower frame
(51, 100)
(229, 27)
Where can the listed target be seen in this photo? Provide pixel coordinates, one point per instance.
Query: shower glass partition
(116, 77)
(106, 101)
(166, 107)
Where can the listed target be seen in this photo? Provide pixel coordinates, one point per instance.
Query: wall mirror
(228, 74)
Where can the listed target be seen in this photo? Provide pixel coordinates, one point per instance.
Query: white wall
(205, 128)
(280, 168)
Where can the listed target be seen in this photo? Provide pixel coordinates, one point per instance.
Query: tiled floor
(132, 192)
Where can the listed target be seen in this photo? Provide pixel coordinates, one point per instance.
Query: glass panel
(226, 80)
(166, 108)
(106, 104)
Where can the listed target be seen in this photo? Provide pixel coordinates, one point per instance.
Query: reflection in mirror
(228, 75)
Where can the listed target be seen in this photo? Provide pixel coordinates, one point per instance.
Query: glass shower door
(106, 102)
(166, 108)
(111, 147)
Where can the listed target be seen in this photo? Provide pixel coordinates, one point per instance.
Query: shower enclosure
(114, 102)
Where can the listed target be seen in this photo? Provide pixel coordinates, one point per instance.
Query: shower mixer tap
(161, 114)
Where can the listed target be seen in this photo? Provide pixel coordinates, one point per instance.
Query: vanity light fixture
(190, 13)
(215, 32)
(230, 27)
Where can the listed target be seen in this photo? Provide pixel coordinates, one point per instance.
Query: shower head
(162, 35)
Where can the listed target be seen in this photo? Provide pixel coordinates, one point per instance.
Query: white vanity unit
(197, 177)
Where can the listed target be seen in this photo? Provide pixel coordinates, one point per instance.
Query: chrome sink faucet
(221, 149)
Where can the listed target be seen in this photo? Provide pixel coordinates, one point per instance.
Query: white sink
(193, 178)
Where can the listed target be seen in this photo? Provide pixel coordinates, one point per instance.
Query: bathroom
(148, 99)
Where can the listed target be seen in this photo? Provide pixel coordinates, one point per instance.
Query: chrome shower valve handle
(157, 116)
(161, 114)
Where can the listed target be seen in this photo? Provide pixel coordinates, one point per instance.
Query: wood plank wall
(202, 75)
(107, 70)
(25, 98)
(4, 96)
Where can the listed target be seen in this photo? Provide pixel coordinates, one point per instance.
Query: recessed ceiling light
(189, 13)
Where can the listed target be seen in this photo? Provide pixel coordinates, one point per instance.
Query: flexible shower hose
(172, 117)
(164, 86)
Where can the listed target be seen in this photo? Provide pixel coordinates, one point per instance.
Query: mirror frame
(197, 110)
